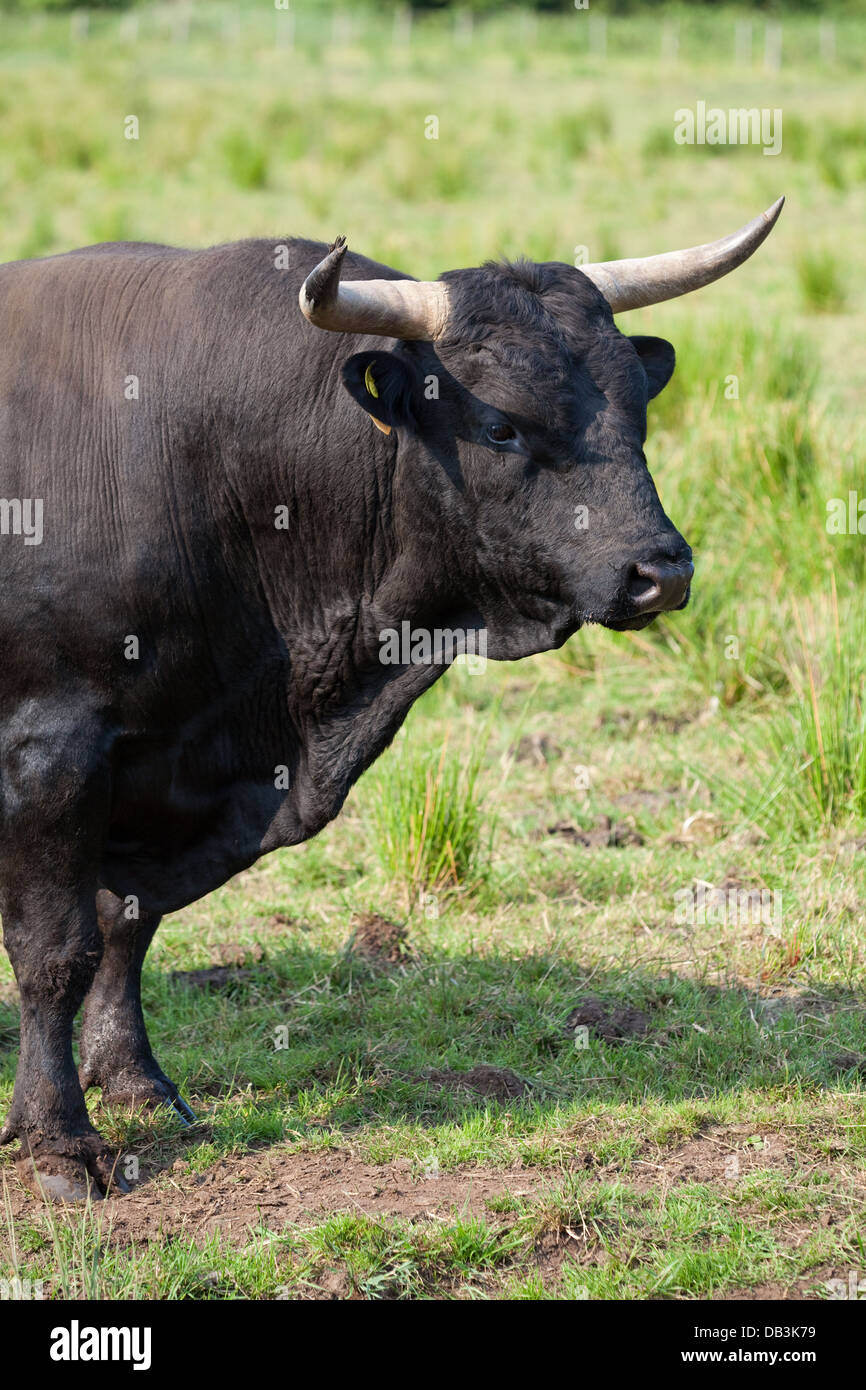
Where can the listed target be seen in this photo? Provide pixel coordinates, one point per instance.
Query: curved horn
(630, 284)
(386, 308)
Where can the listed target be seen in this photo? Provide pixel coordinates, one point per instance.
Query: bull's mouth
(632, 624)
(641, 620)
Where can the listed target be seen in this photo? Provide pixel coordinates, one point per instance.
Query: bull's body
(192, 656)
(257, 629)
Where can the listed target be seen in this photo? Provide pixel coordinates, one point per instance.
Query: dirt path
(278, 1189)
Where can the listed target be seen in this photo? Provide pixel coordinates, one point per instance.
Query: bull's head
(520, 418)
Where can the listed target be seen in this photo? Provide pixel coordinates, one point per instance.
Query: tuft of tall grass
(808, 760)
(724, 648)
(832, 168)
(828, 721)
(570, 135)
(658, 143)
(430, 827)
(790, 451)
(798, 138)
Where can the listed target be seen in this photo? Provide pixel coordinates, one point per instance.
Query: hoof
(87, 1175)
(56, 1188)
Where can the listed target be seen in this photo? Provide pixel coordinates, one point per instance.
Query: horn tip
(772, 213)
(321, 285)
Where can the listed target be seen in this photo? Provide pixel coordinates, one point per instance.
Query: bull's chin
(526, 635)
(631, 624)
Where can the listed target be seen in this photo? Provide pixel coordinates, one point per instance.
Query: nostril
(656, 585)
(644, 584)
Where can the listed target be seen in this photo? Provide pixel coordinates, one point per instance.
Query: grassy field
(569, 1001)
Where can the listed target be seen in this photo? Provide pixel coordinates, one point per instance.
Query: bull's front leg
(114, 1046)
(55, 797)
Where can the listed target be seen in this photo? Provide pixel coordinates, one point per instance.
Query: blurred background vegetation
(487, 6)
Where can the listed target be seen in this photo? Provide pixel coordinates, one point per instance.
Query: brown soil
(612, 1023)
(809, 1287)
(227, 970)
(280, 1189)
(496, 1082)
(377, 939)
(605, 834)
(723, 1153)
(538, 749)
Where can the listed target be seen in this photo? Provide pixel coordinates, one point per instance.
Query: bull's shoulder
(253, 257)
(102, 250)
(131, 248)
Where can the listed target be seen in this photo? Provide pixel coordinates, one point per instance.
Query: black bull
(203, 541)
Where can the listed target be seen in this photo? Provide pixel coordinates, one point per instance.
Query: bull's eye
(500, 434)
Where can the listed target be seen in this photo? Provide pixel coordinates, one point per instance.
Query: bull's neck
(339, 566)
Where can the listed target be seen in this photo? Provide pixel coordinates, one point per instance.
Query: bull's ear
(658, 359)
(382, 385)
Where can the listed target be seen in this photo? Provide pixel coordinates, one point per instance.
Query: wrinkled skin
(134, 781)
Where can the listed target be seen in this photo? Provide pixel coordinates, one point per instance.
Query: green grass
(822, 281)
(427, 823)
(728, 739)
(809, 758)
(245, 161)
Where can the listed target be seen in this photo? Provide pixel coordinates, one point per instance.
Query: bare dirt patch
(727, 1153)
(537, 749)
(231, 962)
(610, 1023)
(377, 939)
(499, 1083)
(809, 1287)
(605, 834)
(278, 1189)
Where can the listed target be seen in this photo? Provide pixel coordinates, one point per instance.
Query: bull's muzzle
(657, 586)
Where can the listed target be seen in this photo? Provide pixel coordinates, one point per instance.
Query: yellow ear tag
(374, 391)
